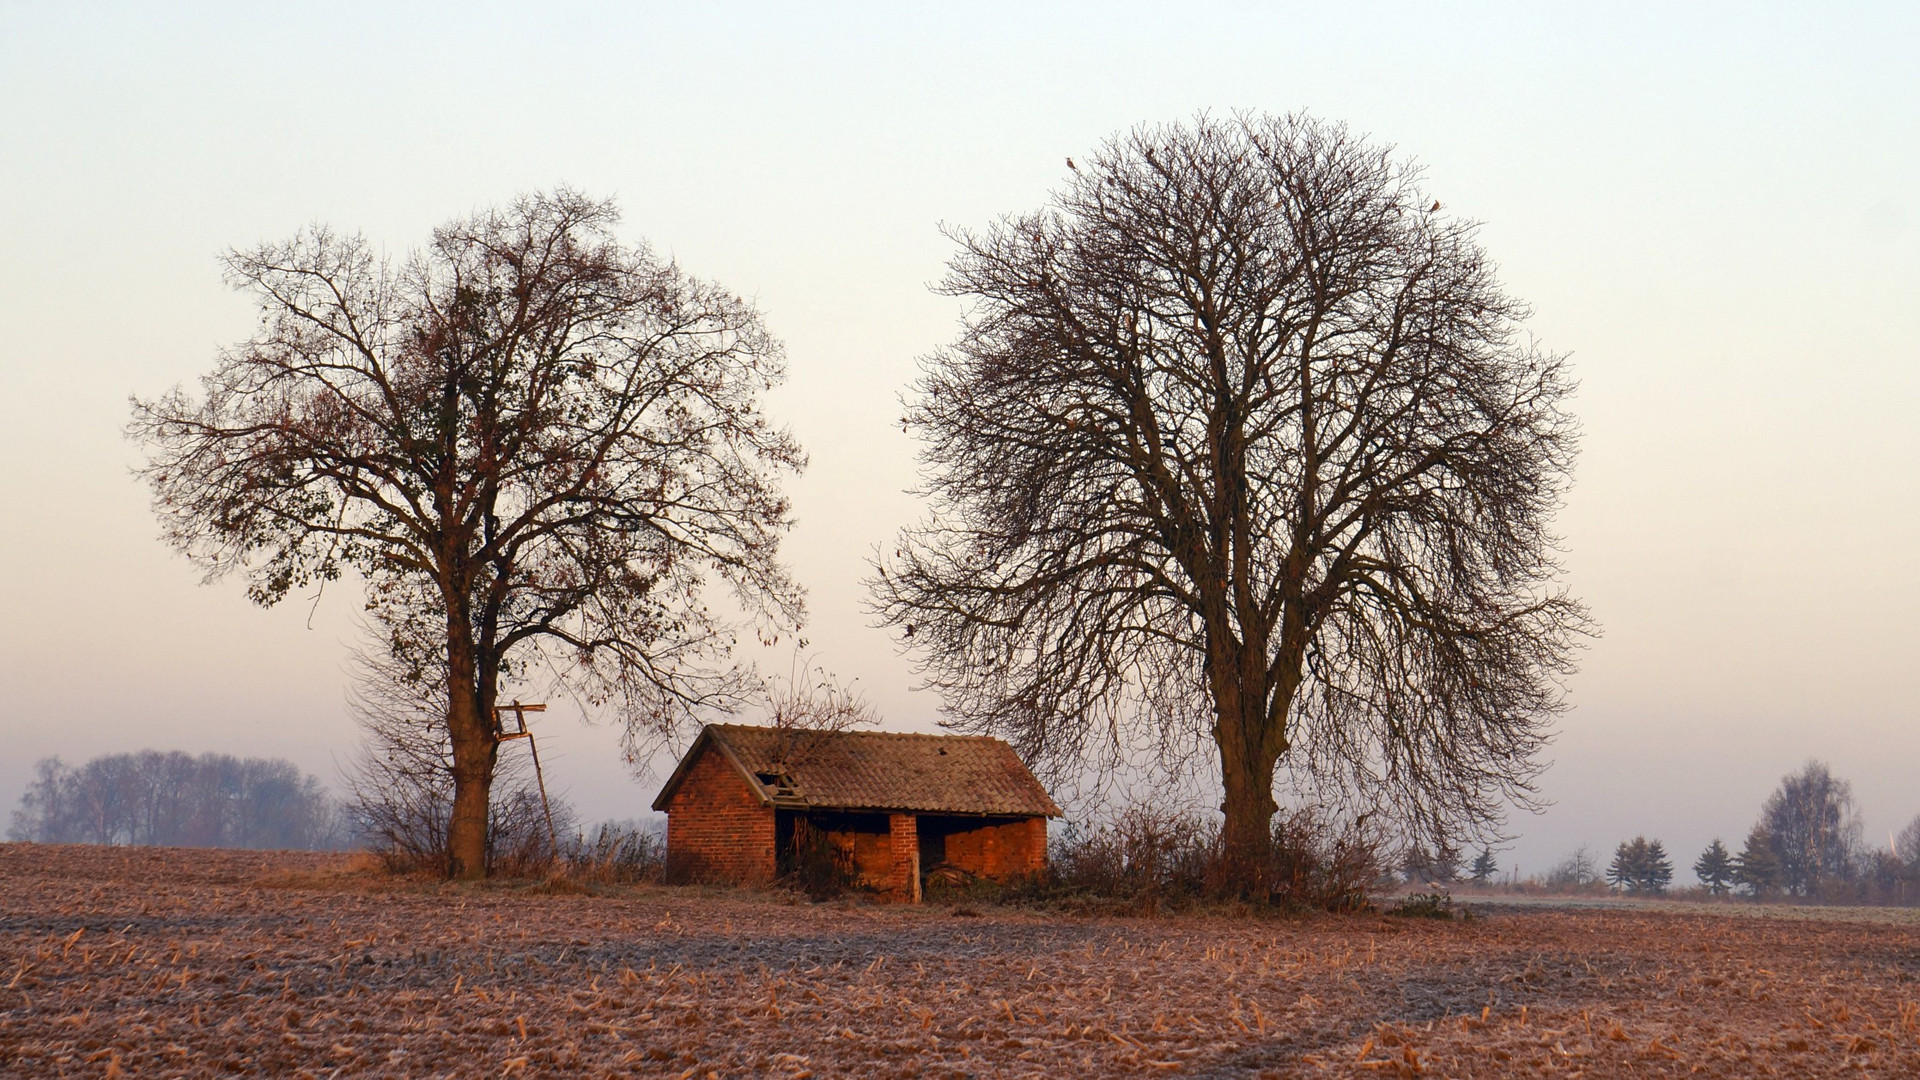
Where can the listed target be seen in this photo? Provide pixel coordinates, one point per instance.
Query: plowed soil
(155, 962)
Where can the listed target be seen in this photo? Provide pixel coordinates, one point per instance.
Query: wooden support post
(502, 733)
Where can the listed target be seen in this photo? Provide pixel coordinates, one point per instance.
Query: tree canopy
(1241, 450)
(540, 447)
(1813, 828)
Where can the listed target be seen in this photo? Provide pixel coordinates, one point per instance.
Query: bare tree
(1907, 847)
(537, 445)
(400, 782)
(176, 800)
(808, 703)
(1240, 448)
(1813, 827)
(1576, 871)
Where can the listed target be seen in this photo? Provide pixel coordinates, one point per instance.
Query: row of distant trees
(178, 800)
(399, 809)
(1807, 843)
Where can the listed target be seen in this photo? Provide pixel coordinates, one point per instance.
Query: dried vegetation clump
(1145, 860)
(158, 962)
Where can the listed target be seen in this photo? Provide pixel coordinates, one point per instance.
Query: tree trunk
(474, 754)
(1247, 835)
(1250, 732)
(1246, 772)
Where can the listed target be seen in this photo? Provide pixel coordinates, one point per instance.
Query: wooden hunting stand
(519, 730)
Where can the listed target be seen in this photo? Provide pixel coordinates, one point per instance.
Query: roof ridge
(868, 734)
(914, 771)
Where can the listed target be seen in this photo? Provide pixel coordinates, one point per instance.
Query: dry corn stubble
(154, 962)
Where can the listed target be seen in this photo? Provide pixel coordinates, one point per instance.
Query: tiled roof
(873, 770)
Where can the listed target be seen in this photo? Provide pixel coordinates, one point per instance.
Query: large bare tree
(1813, 827)
(1241, 449)
(536, 444)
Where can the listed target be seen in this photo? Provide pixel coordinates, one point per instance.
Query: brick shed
(892, 808)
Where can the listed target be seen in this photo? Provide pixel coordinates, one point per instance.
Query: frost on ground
(154, 962)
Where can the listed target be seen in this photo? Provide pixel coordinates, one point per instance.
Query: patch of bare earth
(144, 962)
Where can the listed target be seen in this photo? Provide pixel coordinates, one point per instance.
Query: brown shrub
(618, 853)
(1145, 858)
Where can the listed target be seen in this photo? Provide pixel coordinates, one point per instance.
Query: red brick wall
(1035, 859)
(717, 829)
(904, 847)
(869, 853)
(1000, 849)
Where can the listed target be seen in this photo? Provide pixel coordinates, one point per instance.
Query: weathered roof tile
(873, 770)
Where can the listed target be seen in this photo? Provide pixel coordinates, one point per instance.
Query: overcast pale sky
(1715, 210)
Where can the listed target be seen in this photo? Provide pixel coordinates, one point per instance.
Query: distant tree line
(1442, 865)
(1808, 844)
(178, 800)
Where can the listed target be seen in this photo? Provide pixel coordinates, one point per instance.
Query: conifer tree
(1485, 867)
(1623, 870)
(1656, 870)
(1640, 866)
(1757, 868)
(1715, 868)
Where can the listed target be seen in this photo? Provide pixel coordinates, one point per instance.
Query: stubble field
(155, 962)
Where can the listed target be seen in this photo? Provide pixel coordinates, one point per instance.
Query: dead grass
(143, 962)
